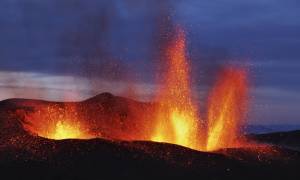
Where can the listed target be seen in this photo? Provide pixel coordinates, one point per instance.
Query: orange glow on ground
(54, 122)
(64, 130)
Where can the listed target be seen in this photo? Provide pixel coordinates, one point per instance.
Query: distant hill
(289, 139)
(262, 129)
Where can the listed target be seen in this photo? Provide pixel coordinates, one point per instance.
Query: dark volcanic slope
(23, 155)
(289, 139)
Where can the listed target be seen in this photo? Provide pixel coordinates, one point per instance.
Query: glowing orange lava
(55, 122)
(65, 130)
(226, 109)
(174, 119)
(177, 119)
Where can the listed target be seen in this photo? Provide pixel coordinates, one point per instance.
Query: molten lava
(174, 119)
(227, 109)
(177, 119)
(55, 122)
(63, 130)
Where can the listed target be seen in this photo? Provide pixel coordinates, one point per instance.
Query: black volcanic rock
(27, 156)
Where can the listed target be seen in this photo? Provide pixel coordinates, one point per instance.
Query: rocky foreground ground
(27, 156)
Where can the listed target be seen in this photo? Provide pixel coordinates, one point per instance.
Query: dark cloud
(123, 40)
(39, 35)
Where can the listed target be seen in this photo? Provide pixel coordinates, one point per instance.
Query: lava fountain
(173, 119)
(227, 109)
(56, 122)
(178, 120)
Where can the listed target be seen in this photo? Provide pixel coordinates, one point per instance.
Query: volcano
(25, 153)
(172, 116)
(116, 137)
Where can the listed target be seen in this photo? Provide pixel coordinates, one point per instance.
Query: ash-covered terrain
(24, 155)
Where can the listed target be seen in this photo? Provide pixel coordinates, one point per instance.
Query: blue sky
(52, 46)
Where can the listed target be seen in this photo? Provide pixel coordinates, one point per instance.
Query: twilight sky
(61, 49)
